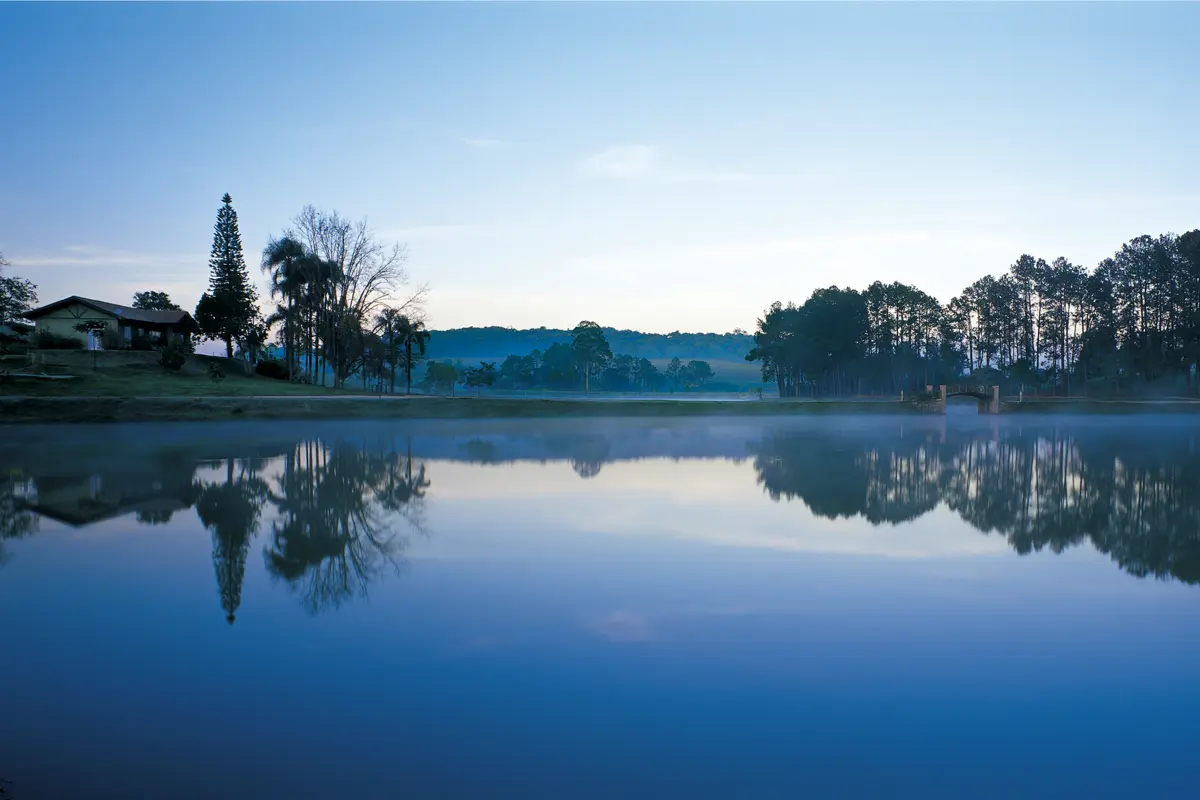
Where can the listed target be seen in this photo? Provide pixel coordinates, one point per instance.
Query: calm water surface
(953, 607)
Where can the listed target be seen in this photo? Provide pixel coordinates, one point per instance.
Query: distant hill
(495, 342)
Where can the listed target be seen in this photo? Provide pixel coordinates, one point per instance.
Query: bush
(111, 340)
(143, 342)
(272, 368)
(173, 356)
(45, 340)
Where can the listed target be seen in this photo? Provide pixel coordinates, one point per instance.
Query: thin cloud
(620, 161)
(621, 627)
(936, 260)
(813, 245)
(432, 231)
(114, 275)
(483, 142)
(698, 176)
(80, 255)
(646, 163)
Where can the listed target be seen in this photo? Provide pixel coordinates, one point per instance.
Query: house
(127, 323)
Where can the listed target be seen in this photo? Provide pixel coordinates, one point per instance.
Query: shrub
(45, 340)
(272, 368)
(215, 373)
(143, 342)
(173, 356)
(111, 340)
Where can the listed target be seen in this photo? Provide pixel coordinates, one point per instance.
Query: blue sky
(659, 166)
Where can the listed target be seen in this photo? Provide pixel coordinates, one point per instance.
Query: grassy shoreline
(166, 409)
(31, 410)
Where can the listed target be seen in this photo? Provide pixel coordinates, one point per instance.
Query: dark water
(961, 607)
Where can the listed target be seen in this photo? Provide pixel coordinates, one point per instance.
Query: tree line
(1132, 322)
(333, 286)
(587, 362)
(334, 303)
(493, 342)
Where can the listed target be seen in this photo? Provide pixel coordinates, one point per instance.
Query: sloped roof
(121, 312)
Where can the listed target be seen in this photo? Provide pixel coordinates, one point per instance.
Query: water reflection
(1135, 495)
(16, 520)
(334, 534)
(231, 510)
(338, 511)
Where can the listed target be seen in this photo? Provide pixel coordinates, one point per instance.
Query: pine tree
(230, 306)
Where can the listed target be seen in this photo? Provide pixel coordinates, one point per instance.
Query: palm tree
(286, 260)
(387, 326)
(325, 277)
(315, 297)
(412, 334)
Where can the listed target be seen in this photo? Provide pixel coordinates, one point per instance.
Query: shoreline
(34, 410)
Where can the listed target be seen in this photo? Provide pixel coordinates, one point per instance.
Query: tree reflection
(336, 507)
(587, 452)
(231, 511)
(1136, 499)
(837, 477)
(16, 520)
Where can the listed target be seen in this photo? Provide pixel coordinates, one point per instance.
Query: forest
(1131, 325)
(585, 361)
(493, 342)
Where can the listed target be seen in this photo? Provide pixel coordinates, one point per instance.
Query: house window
(128, 334)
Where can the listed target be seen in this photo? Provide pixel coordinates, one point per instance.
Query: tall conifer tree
(230, 306)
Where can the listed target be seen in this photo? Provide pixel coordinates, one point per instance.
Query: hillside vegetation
(494, 343)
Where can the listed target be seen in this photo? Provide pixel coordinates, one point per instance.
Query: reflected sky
(941, 607)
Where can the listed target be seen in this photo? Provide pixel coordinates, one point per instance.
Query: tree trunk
(322, 358)
(289, 336)
(408, 368)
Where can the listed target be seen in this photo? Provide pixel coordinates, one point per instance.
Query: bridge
(978, 392)
(935, 397)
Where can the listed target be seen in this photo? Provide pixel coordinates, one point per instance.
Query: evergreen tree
(230, 306)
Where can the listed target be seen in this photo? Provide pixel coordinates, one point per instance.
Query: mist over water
(588, 608)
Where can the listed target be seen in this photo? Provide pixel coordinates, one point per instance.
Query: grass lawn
(150, 380)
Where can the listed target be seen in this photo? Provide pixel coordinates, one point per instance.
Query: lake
(951, 606)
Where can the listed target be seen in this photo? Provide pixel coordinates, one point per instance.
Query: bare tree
(362, 275)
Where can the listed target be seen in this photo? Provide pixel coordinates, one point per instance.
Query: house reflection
(338, 511)
(74, 495)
